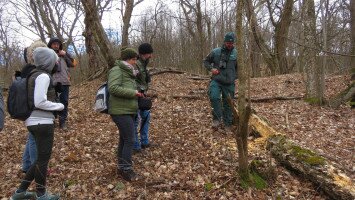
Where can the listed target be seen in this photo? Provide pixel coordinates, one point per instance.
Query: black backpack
(18, 105)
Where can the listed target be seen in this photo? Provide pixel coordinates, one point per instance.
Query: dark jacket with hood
(143, 77)
(65, 62)
(225, 61)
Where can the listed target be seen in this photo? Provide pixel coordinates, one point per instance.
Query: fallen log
(162, 71)
(347, 95)
(319, 170)
(266, 99)
(187, 96)
(198, 78)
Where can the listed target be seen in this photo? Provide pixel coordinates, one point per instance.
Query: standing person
(30, 152)
(222, 63)
(62, 78)
(145, 51)
(40, 123)
(2, 114)
(123, 106)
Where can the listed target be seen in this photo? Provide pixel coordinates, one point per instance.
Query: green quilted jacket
(122, 88)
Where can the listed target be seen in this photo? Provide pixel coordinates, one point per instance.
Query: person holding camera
(142, 119)
(62, 78)
(222, 63)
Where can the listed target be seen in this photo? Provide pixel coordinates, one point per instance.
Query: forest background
(312, 42)
(182, 33)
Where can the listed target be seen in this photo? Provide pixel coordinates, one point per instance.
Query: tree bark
(281, 34)
(241, 135)
(126, 21)
(98, 31)
(312, 166)
(319, 170)
(352, 25)
(315, 77)
(90, 45)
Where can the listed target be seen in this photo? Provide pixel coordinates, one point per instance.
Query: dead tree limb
(154, 72)
(266, 99)
(187, 97)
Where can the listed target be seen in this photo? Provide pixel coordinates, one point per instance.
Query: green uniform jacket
(143, 76)
(122, 88)
(225, 61)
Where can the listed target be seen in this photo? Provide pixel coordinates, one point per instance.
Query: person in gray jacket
(2, 114)
(40, 123)
(61, 78)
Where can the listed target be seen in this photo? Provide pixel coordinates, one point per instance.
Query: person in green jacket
(123, 106)
(222, 63)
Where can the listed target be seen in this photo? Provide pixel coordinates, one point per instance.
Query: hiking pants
(218, 94)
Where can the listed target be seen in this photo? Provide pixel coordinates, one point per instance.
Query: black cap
(145, 48)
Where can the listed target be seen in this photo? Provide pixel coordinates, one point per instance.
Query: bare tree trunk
(352, 25)
(314, 89)
(126, 21)
(106, 49)
(90, 45)
(197, 33)
(265, 50)
(281, 33)
(254, 56)
(242, 131)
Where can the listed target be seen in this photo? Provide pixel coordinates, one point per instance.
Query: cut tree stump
(319, 170)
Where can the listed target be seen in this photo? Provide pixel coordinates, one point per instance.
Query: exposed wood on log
(335, 183)
(318, 169)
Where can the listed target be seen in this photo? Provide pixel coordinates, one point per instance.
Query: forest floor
(192, 161)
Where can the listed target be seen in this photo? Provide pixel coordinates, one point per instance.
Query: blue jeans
(30, 153)
(220, 107)
(125, 125)
(142, 119)
(64, 99)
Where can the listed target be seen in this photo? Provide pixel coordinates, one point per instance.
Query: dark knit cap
(128, 53)
(229, 37)
(145, 48)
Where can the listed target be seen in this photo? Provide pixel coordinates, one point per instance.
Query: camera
(222, 64)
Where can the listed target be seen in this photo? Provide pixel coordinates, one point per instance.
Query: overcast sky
(110, 20)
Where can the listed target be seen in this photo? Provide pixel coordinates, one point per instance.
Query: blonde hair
(31, 48)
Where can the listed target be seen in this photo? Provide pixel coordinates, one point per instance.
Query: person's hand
(215, 71)
(61, 53)
(139, 94)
